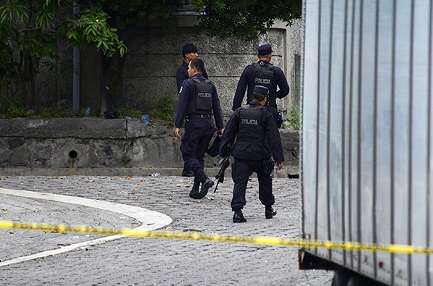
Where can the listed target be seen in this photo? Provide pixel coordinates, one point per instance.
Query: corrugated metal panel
(367, 132)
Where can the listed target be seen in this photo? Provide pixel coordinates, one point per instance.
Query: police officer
(265, 74)
(197, 102)
(189, 52)
(252, 125)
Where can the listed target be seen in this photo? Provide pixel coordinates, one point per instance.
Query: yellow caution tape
(273, 241)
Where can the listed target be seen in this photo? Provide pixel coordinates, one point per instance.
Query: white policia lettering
(249, 121)
(204, 94)
(263, 81)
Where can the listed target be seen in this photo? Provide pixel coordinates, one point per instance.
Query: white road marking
(150, 220)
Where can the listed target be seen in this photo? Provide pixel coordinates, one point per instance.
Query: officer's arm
(182, 104)
(282, 84)
(240, 89)
(217, 112)
(180, 77)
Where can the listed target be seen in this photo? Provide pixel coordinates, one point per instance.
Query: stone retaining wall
(99, 146)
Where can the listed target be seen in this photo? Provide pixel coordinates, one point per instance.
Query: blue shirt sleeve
(181, 75)
(182, 103)
(241, 88)
(282, 83)
(217, 112)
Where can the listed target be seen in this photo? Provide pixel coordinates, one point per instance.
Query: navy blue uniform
(198, 129)
(249, 155)
(182, 74)
(247, 80)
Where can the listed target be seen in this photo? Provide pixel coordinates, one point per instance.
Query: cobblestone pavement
(151, 261)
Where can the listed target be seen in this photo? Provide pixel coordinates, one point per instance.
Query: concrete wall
(154, 57)
(151, 64)
(69, 146)
(101, 146)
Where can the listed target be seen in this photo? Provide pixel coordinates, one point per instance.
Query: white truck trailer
(367, 138)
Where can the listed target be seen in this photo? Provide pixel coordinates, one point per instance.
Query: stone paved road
(146, 261)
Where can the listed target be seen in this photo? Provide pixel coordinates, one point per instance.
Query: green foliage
(142, 11)
(26, 31)
(126, 161)
(11, 109)
(31, 31)
(82, 112)
(92, 28)
(167, 110)
(55, 111)
(44, 112)
(131, 112)
(15, 111)
(244, 19)
(222, 18)
(295, 117)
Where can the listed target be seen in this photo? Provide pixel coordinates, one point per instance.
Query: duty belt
(198, 116)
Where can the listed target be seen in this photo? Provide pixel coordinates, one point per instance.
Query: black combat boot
(270, 212)
(206, 184)
(238, 217)
(194, 191)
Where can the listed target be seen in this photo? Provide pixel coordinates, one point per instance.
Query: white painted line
(150, 220)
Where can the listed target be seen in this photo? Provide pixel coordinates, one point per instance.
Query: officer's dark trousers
(241, 171)
(194, 144)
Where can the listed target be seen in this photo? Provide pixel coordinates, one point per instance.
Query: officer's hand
(177, 133)
(280, 165)
(220, 132)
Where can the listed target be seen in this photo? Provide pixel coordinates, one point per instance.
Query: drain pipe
(76, 70)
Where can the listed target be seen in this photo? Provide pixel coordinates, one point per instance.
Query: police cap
(261, 89)
(264, 50)
(189, 48)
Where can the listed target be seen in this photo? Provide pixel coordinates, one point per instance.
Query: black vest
(263, 74)
(251, 124)
(201, 101)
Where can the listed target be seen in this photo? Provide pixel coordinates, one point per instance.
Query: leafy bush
(16, 111)
(134, 113)
(295, 117)
(167, 110)
(52, 112)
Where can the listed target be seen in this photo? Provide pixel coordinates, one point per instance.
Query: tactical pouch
(268, 166)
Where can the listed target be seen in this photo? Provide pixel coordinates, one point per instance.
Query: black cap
(189, 48)
(261, 89)
(264, 50)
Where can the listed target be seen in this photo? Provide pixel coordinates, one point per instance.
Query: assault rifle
(223, 163)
